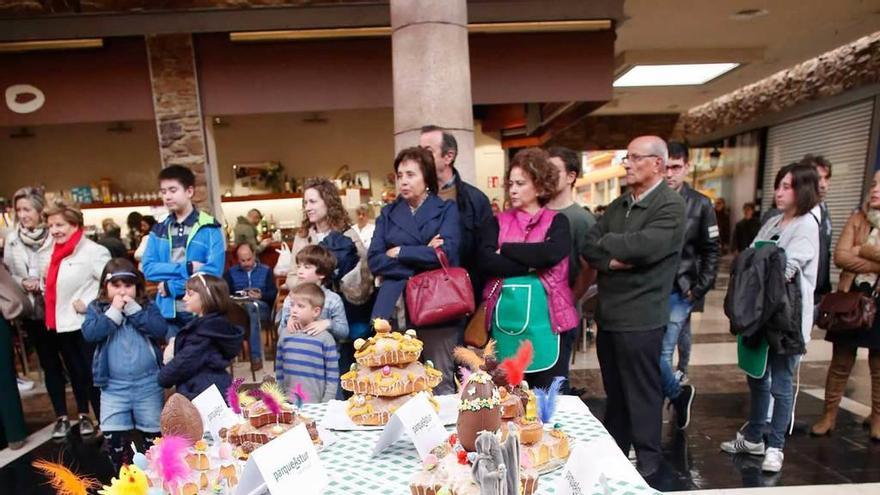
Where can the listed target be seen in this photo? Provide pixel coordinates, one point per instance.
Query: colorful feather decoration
(272, 405)
(489, 350)
(547, 399)
(63, 480)
(465, 374)
(298, 396)
(245, 399)
(468, 358)
(232, 395)
(515, 366)
(170, 461)
(272, 388)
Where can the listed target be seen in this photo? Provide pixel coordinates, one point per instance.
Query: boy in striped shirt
(303, 357)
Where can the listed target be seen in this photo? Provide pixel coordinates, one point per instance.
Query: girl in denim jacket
(127, 328)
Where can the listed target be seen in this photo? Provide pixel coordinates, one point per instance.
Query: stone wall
(177, 108)
(845, 68)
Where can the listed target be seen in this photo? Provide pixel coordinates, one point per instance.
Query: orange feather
(63, 480)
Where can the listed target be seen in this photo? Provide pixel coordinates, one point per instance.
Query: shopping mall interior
(255, 96)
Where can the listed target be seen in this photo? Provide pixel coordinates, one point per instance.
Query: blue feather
(546, 399)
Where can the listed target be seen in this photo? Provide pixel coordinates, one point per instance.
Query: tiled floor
(846, 462)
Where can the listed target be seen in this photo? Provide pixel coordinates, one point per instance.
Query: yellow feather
(273, 389)
(63, 480)
(245, 400)
(469, 358)
(489, 350)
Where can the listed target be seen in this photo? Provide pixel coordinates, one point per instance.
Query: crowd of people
(653, 255)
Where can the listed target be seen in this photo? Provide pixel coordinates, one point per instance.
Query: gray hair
(658, 147)
(32, 194)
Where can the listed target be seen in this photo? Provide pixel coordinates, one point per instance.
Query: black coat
(202, 352)
(701, 249)
(474, 211)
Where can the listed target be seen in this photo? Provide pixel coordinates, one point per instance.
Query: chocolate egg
(479, 409)
(180, 417)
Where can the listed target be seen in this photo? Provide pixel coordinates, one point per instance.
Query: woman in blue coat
(403, 245)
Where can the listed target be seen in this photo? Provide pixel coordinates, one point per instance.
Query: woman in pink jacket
(524, 253)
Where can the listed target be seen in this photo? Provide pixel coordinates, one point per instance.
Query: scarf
(33, 239)
(873, 216)
(59, 252)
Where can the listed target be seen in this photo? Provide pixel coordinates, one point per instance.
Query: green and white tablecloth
(353, 471)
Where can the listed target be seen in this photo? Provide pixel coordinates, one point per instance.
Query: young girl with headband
(204, 347)
(127, 329)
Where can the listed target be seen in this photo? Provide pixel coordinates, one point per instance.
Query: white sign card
(595, 461)
(418, 419)
(214, 411)
(288, 464)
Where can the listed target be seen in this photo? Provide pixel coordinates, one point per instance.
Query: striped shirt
(311, 361)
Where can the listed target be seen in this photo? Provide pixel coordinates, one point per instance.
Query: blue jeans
(684, 346)
(781, 388)
(679, 312)
(258, 311)
(135, 405)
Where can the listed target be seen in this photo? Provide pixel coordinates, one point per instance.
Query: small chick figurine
(131, 481)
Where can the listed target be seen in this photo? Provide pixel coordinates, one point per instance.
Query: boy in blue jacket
(127, 328)
(185, 242)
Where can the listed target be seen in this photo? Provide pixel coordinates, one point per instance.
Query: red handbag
(441, 295)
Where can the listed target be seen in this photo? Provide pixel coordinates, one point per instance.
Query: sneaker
(17, 445)
(62, 426)
(682, 405)
(772, 460)
(742, 446)
(86, 426)
(24, 384)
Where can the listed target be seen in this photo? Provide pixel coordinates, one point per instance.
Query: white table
(353, 471)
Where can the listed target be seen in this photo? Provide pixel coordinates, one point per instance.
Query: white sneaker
(773, 460)
(24, 384)
(742, 446)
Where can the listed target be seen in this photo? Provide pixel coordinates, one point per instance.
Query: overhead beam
(111, 24)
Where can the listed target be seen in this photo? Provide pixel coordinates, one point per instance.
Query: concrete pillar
(177, 108)
(432, 74)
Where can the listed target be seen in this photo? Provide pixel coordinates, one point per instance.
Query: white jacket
(19, 259)
(78, 278)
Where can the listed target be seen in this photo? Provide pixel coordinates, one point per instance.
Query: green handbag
(752, 360)
(522, 313)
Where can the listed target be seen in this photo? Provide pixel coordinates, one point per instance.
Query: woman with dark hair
(407, 233)
(146, 225)
(529, 246)
(71, 283)
(795, 229)
(858, 255)
(134, 234)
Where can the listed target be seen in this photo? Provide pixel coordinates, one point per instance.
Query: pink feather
(300, 395)
(232, 395)
(271, 404)
(465, 374)
(170, 460)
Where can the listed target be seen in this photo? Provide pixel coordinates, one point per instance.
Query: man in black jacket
(823, 278)
(693, 279)
(635, 247)
(473, 205)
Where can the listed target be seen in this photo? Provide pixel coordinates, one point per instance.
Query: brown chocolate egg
(479, 409)
(180, 417)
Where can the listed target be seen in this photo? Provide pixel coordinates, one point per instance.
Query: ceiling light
(672, 74)
(44, 45)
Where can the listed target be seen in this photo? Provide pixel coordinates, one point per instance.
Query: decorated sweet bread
(387, 347)
(368, 410)
(391, 381)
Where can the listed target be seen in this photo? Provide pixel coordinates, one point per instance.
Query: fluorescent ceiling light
(672, 74)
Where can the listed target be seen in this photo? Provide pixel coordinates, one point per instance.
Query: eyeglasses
(634, 157)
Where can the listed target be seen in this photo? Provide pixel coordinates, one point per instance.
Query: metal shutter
(841, 136)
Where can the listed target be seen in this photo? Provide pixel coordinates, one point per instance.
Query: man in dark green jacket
(635, 247)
